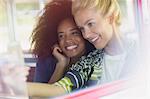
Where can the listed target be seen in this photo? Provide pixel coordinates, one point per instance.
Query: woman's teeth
(94, 39)
(71, 47)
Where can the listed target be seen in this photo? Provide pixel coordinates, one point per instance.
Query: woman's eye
(90, 24)
(60, 36)
(76, 33)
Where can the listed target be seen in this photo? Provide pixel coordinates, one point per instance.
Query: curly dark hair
(44, 35)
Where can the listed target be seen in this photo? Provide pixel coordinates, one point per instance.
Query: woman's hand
(19, 73)
(61, 66)
(58, 54)
(13, 78)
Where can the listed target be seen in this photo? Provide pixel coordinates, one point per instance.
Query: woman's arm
(44, 90)
(58, 73)
(75, 78)
(61, 66)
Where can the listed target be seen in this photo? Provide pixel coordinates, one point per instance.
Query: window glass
(26, 13)
(3, 26)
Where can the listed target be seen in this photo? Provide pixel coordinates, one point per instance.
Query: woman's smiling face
(96, 28)
(70, 39)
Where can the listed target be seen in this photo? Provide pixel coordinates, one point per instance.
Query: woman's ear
(111, 18)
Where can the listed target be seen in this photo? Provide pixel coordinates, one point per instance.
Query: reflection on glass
(11, 80)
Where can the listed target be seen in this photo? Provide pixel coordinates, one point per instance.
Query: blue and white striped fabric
(29, 59)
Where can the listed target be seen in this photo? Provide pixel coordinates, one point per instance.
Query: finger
(55, 45)
(57, 48)
(57, 51)
(7, 68)
(20, 77)
(19, 71)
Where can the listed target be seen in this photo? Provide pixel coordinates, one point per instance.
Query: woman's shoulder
(47, 60)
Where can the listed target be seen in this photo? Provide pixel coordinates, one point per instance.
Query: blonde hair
(107, 7)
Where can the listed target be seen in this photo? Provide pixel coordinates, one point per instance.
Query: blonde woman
(99, 22)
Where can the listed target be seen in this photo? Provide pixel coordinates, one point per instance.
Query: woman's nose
(68, 39)
(86, 34)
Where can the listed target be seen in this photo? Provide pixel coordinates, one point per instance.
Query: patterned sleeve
(80, 72)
